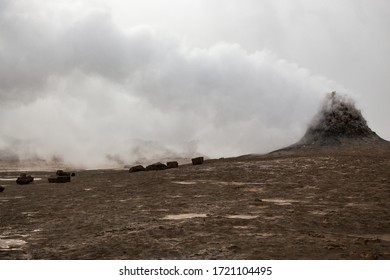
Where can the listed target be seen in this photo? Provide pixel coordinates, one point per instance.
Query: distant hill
(338, 125)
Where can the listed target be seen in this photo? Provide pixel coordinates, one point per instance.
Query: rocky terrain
(326, 197)
(328, 206)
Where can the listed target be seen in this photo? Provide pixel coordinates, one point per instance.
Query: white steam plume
(93, 95)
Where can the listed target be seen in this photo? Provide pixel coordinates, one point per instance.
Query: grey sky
(347, 41)
(130, 79)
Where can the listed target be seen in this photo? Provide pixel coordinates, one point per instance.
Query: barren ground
(323, 206)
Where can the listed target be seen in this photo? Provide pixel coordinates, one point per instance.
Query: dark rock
(198, 160)
(172, 164)
(156, 166)
(62, 173)
(136, 168)
(59, 179)
(2, 188)
(72, 174)
(24, 179)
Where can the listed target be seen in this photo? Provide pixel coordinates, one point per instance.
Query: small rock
(2, 188)
(198, 160)
(172, 164)
(62, 173)
(156, 166)
(136, 168)
(23, 179)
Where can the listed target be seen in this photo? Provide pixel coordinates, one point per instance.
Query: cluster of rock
(61, 177)
(155, 166)
(24, 179)
(162, 166)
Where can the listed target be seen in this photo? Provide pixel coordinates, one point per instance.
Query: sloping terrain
(327, 206)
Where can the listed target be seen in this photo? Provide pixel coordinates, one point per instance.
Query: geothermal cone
(338, 123)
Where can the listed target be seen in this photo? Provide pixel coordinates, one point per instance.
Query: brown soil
(313, 205)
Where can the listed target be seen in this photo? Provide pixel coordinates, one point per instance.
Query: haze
(99, 83)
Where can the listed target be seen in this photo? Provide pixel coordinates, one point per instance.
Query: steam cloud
(93, 95)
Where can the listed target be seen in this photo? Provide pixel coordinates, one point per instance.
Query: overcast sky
(97, 81)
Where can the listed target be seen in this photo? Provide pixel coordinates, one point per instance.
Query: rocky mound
(338, 123)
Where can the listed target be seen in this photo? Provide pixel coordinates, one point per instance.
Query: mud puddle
(184, 216)
(244, 217)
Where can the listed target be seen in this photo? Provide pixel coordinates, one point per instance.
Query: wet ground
(324, 206)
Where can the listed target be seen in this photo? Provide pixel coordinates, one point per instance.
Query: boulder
(2, 188)
(24, 179)
(198, 160)
(136, 168)
(58, 179)
(172, 164)
(156, 166)
(62, 173)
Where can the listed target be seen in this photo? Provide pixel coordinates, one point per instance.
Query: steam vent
(338, 123)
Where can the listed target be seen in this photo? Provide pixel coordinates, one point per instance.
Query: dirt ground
(322, 206)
